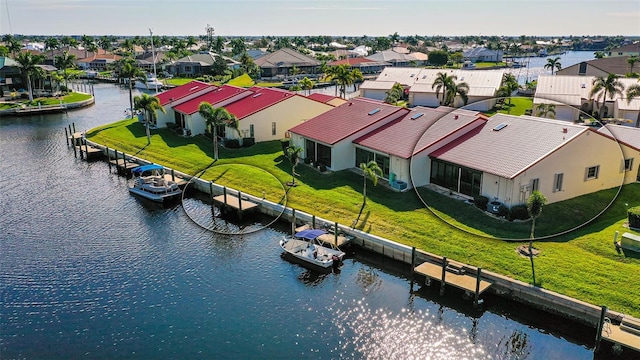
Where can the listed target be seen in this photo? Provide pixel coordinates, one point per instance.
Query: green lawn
(67, 99)
(489, 64)
(582, 263)
(518, 106)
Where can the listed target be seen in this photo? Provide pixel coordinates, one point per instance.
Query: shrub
(519, 212)
(232, 143)
(246, 142)
(481, 202)
(322, 168)
(634, 217)
(503, 211)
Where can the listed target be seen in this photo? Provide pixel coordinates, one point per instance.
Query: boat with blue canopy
(305, 247)
(150, 183)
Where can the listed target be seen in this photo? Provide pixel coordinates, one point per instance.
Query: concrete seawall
(519, 291)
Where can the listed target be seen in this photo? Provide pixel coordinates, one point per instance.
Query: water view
(88, 271)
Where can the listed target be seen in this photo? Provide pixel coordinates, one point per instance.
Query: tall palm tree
(509, 85)
(52, 43)
(546, 110)
(611, 85)
(214, 118)
(632, 60)
(633, 91)
(553, 64)
(370, 170)
(14, 45)
(66, 61)
(293, 154)
(86, 41)
(28, 63)
(443, 82)
(129, 71)
(343, 76)
(459, 89)
(307, 84)
(150, 105)
(534, 206)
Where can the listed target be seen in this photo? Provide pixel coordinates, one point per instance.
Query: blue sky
(321, 17)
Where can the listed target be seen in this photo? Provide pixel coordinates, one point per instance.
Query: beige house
(627, 50)
(513, 156)
(570, 95)
(629, 140)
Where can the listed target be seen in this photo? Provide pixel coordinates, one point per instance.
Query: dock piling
(444, 273)
(74, 127)
(108, 158)
(478, 279)
(293, 221)
(73, 143)
(313, 221)
(239, 201)
(66, 136)
(335, 234)
(413, 264)
(603, 314)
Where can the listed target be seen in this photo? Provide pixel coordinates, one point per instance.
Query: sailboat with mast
(151, 82)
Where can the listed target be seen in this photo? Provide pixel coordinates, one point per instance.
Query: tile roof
(401, 136)
(323, 98)
(285, 57)
(481, 82)
(346, 119)
(351, 61)
(261, 99)
(493, 151)
(612, 65)
(182, 91)
(213, 97)
(376, 85)
(627, 135)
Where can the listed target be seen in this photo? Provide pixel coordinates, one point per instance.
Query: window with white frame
(628, 164)
(557, 182)
(535, 185)
(592, 172)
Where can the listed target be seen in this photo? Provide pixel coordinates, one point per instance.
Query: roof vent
(500, 127)
(412, 75)
(583, 85)
(373, 111)
(416, 116)
(350, 103)
(564, 130)
(455, 117)
(256, 95)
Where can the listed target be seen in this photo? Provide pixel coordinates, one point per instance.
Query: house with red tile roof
(401, 147)
(176, 96)
(327, 99)
(188, 117)
(509, 157)
(268, 113)
(327, 139)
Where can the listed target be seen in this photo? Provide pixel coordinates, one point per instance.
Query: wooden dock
(238, 204)
(329, 238)
(178, 180)
(626, 334)
(89, 152)
(454, 274)
(123, 167)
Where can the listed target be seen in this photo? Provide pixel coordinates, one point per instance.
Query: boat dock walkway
(227, 202)
(455, 274)
(627, 333)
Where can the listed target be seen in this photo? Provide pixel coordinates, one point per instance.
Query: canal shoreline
(503, 286)
(48, 109)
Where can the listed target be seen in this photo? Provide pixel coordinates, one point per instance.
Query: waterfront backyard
(582, 263)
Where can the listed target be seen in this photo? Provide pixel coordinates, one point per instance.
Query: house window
(454, 177)
(187, 69)
(628, 164)
(273, 128)
(592, 172)
(364, 156)
(557, 182)
(324, 155)
(310, 150)
(251, 130)
(535, 185)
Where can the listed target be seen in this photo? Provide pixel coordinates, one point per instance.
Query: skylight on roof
(373, 111)
(500, 127)
(193, 88)
(416, 116)
(256, 95)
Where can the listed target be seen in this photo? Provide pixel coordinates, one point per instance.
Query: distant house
(482, 54)
(10, 76)
(98, 62)
(555, 166)
(173, 97)
(366, 66)
(483, 86)
(327, 139)
(600, 67)
(280, 64)
(570, 95)
(627, 50)
(198, 64)
(394, 58)
(146, 60)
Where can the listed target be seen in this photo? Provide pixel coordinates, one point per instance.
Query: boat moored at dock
(149, 182)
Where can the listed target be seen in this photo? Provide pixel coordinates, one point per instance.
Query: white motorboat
(149, 182)
(150, 83)
(305, 247)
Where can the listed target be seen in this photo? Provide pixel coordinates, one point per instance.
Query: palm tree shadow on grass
(359, 225)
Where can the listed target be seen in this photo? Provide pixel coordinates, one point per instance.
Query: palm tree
(343, 76)
(534, 206)
(632, 60)
(395, 94)
(370, 170)
(461, 89)
(214, 118)
(52, 43)
(66, 61)
(633, 91)
(86, 41)
(293, 154)
(605, 86)
(509, 85)
(357, 77)
(553, 64)
(28, 63)
(443, 82)
(546, 110)
(307, 84)
(13, 44)
(148, 104)
(129, 72)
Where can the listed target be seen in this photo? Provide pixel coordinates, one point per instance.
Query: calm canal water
(88, 271)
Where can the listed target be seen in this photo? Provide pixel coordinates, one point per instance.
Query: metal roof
(377, 85)
(628, 135)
